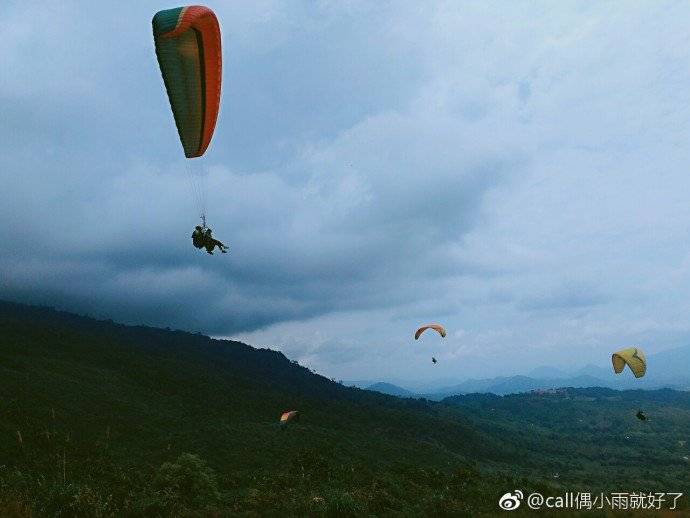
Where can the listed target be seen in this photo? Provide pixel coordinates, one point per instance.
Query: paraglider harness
(202, 238)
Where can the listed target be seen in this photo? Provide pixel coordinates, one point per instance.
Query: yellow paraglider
(633, 358)
(436, 327)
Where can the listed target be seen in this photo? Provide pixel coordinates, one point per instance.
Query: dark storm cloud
(337, 224)
(374, 165)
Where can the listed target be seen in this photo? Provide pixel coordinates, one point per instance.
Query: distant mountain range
(390, 389)
(667, 369)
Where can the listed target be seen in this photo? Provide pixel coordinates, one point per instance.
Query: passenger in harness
(210, 243)
(203, 238)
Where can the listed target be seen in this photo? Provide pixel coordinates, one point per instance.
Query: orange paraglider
(189, 54)
(289, 417)
(436, 327)
(188, 48)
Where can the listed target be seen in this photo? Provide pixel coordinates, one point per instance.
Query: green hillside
(100, 419)
(590, 437)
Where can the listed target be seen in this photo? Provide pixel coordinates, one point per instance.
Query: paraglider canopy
(288, 417)
(189, 54)
(188, 48)
(436, 327)
(633, 358)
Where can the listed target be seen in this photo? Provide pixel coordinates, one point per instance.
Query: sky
(518, 171)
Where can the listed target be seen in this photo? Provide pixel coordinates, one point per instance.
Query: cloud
(517, 173)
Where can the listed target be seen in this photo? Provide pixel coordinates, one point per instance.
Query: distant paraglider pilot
(433, 360)
(641, 415)
(204, 239)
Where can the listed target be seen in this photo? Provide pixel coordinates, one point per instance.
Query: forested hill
(92, 411)
(101, 419)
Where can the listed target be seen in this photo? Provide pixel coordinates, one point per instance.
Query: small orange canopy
(291, 415)
(436, 327)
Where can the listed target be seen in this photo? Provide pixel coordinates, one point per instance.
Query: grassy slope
(101, 409)
(102, 406)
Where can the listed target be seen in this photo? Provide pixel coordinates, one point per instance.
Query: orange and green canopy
(189, 54)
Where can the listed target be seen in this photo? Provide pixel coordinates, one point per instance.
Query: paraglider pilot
(204, 239)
